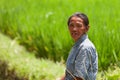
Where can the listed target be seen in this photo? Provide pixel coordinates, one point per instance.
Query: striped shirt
(82, 60)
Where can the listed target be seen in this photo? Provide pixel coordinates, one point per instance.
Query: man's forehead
(74, 18)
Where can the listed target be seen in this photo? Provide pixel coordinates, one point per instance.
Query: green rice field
(41, 26)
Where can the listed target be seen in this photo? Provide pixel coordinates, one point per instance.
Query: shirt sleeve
(84, 64)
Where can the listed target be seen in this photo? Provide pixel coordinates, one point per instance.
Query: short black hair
(80, 15)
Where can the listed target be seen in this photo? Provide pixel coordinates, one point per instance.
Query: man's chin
(75, 39)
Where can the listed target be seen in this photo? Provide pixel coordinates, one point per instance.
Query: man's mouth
(74, 34)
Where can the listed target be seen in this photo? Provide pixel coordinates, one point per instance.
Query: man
(82, 62)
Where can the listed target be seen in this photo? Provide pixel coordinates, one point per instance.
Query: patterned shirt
(82, 61)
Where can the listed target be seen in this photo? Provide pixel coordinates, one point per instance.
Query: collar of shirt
(80, 40)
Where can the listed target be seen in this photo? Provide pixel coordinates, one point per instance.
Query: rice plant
(41, 26)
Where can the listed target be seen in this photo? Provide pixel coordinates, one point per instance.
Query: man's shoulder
(87, 44)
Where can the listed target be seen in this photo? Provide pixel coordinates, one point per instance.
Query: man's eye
(79, 25)
(71, 25)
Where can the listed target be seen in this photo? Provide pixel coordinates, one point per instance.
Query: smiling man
(82, 62)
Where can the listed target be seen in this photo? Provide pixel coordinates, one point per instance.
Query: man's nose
(74, 28)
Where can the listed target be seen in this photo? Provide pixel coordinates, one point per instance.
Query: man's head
(78, 25)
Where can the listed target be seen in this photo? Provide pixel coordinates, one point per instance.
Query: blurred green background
(41, 26)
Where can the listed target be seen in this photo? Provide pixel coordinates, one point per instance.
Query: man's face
(77, 28)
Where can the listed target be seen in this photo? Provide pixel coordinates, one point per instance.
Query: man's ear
(87, 28)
